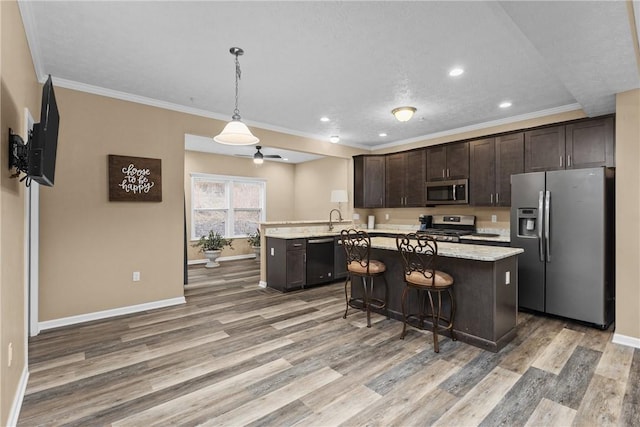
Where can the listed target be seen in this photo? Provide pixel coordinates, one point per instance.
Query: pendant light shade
(236, 132)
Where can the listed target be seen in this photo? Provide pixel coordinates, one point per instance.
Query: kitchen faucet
(330, 221)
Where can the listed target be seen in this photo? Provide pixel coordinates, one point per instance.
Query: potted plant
(254, 241)
(211, 245)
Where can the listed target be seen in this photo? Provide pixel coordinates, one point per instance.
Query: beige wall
(628, 214)
(313, 184)
(280, 179)
(19, 90)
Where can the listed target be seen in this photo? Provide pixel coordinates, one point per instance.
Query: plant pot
(212, 256)
(256, 249)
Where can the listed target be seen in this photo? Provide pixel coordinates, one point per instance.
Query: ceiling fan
(258, 157)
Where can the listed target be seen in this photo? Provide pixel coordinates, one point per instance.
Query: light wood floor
(236, 354)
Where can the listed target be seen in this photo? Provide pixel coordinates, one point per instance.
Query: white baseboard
(72, 320)
(223, 259)
(625, 340)
(14, 411)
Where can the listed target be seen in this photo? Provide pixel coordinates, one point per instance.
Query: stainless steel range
(449, 228)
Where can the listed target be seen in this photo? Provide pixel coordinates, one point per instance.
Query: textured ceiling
(350, 61)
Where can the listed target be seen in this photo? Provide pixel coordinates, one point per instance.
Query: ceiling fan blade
(272, 156)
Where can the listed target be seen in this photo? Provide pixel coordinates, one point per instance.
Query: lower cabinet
(339, 260)
(296, 263)
(286, 263)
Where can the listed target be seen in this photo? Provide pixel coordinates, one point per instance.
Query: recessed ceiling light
(324, 119)
(334, 139)
(456, 72)
(505, 104)
(382, 134)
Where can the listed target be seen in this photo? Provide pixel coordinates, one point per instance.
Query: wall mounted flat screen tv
(44, 140)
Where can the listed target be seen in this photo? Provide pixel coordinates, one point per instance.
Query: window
(230, 205)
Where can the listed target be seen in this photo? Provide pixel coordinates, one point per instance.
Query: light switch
(507, 278)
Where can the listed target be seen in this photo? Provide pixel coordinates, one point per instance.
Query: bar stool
(419, 255)
(357, 247)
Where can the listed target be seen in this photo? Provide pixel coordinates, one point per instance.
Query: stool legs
(435, 313)
(367, 296)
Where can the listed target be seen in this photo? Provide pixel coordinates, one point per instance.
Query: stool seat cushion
(375, 267)
(442, 279)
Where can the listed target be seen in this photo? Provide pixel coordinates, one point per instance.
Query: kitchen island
(485, 279)
(485, 289)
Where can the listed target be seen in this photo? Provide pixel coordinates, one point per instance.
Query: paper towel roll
(372, 222)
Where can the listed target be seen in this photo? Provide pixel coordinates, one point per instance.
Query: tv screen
(44, 140)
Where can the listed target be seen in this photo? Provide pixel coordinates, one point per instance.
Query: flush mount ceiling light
(403, 114)
(505, 104)
(334, 139)
(455, 72)
(324, 119)
(236, 132)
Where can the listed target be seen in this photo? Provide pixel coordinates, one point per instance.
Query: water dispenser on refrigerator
(528, 222)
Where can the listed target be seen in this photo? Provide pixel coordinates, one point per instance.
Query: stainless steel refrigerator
(564, 221)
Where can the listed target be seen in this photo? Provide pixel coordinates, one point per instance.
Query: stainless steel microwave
(454, 192)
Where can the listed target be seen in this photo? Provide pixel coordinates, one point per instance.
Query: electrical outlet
(494, 218)
(356, 216)
(10, 354)
(386, 216)
(507, 278)
(272, 252)
(136, 276)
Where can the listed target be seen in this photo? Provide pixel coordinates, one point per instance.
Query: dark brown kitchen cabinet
(369, 181)
(590, 143)
(448, 161)
(405, 178)
(493, 161)
(482, 180)
(544, 149)
(582, 144)
(509, 161)
(286, 263)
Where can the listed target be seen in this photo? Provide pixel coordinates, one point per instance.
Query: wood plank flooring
(236, 354)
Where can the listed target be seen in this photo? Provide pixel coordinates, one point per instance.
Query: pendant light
(236, 132)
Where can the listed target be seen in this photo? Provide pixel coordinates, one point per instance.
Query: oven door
(453, 192)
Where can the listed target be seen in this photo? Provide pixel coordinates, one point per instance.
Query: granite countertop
(485, 235)
(456, 250)
(489, 237)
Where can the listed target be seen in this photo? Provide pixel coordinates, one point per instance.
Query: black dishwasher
(319, 260)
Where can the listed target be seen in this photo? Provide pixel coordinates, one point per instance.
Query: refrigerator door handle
(539, 225)
(547, 209)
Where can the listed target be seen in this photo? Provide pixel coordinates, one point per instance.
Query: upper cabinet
(482, 182)
(369, 181)
(493, 161)
(405, 179)
(448, 161)
(544, 149)
(509, 161)
(590, 144)
(583, 144)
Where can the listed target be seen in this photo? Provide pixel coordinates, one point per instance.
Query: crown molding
(484, 125)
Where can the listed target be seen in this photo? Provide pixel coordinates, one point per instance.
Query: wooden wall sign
(134, 179)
